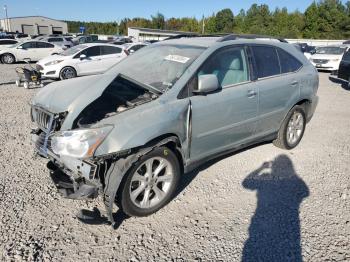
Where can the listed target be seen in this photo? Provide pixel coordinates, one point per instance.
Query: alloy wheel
(151, 182)
(295, 128)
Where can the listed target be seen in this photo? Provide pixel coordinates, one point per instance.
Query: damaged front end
(75, 169)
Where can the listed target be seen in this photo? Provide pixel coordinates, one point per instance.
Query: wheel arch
(1, 56)
(68, 66)
(172, 141)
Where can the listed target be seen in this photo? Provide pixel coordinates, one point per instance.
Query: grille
(44, 120)
(320, 61)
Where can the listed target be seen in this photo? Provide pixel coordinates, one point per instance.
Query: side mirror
(82, 57)
(207, 84)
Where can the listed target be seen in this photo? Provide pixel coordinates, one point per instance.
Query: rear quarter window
(288, 62)
(266, 60)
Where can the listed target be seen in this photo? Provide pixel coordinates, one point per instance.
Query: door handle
(294, 83)
(251, 93)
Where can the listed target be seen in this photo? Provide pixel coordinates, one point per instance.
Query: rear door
(110, 55)
(277, 85)
(226, 117)
(92, 63)
(344, 68)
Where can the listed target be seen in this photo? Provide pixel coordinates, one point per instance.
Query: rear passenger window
(266, 60)
(229, 65)
(44, 45)
(108, 50)
(288, 62)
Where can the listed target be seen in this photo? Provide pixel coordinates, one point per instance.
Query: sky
(114, 10)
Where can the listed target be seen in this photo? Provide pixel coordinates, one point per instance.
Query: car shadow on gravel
(274, 231)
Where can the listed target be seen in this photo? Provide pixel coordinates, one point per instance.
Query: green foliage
(323, 19)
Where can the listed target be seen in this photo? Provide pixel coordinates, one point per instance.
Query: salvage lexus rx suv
(130, 133)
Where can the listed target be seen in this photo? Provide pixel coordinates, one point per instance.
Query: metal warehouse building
(34, 25)
(143, 34)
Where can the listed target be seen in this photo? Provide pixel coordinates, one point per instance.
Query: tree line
(324, 19)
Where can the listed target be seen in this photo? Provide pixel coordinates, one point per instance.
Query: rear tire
(26, 85)
(8, 58)
(150, 184)
(68, 73)
(292, 129)
(18, 83)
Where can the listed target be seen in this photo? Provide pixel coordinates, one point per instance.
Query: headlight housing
(79, 143)
(55, 62)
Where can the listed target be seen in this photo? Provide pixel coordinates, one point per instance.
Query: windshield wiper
(143, 85)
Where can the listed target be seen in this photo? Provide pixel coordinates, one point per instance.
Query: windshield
(159, 66)
(73, 50)
(330, 50)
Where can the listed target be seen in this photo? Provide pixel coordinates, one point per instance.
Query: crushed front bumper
(74, 179)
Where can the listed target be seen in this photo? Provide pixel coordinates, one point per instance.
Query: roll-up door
(28, 29)
(57, 30)
(43, 30)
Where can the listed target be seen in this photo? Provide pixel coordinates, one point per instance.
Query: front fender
(138, 126)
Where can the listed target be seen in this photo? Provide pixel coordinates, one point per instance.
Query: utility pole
(203, 25)
(7, 19)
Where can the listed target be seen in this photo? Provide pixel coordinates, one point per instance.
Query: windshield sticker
(177, 58)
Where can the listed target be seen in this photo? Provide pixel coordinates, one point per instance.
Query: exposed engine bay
(122, 94)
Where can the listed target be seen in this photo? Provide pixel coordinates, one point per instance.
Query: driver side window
(229, 65)
(92, 51)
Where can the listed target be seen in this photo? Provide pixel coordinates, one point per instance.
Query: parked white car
(4, 43)
(328, 57)
(80, 60)
(58, 40)
(33, 50)
(133, 47)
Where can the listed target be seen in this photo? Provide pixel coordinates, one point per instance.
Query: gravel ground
(258, 204)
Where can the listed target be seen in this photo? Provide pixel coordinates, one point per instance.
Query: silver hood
(71, 95)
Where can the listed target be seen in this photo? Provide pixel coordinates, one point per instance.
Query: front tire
(292, 129)
(68, 73)
(8, 58)
(150, 184)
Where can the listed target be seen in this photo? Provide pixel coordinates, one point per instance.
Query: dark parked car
(343, 73)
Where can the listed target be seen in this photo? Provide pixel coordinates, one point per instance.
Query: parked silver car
(130, 133)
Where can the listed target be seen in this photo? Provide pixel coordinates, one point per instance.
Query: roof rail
(195, 35)
(247, 36)
(227, 37)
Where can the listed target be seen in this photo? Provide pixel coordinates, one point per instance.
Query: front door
(92, 63)
(225, 118)
(26, 51)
